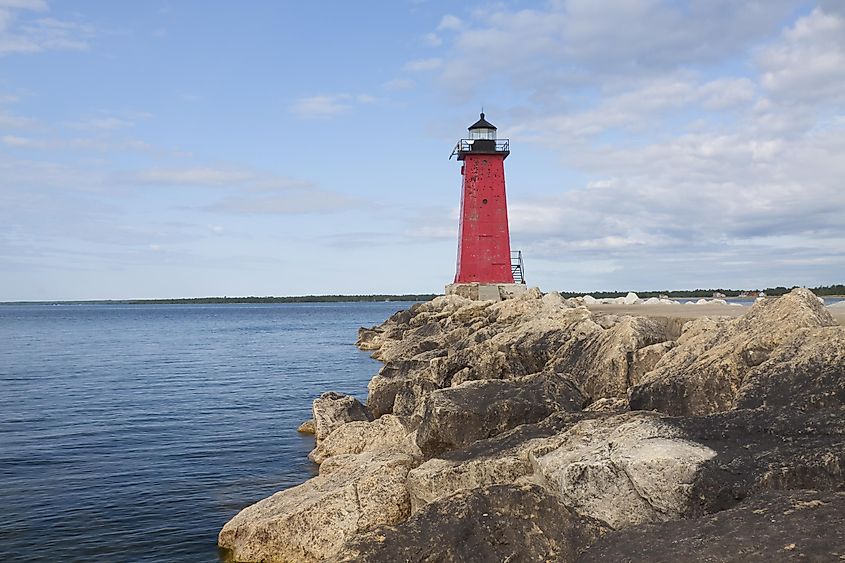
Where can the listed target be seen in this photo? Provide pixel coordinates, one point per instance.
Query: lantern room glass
(482, 133)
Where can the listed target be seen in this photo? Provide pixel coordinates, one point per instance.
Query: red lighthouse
(484, 252)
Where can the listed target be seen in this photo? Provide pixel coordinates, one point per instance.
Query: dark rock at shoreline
(774, 526)
(498, 523)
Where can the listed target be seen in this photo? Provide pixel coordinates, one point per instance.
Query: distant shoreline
(239, 300)
(835, 291)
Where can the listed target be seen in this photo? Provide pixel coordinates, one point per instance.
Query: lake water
(133, 433)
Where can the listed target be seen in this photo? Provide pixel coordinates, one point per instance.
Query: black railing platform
(481, 146)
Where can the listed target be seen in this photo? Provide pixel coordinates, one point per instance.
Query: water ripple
(133, 433)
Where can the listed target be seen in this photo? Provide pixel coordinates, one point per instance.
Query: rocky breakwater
(532, 429)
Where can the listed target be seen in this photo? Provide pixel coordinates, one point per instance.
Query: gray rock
(383, 434)
(311, 522)
(602, 360)
(805, 372)
(782, 526)
(307, 427)
(624, 470)
(643, 467)
(458, 416)
(702, 373)
(503, 459)
(332, 410)
(499, 523)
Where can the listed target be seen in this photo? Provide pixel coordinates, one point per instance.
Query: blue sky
(164, 149)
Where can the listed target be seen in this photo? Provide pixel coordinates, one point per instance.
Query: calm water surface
(133, 433)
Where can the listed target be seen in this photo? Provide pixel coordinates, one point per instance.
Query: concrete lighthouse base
(486, 291)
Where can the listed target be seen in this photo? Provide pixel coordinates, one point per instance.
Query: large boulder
(503, 459)
(499, 523)
(624, 470)
(332, 410)
(383, 434)
(806, 372)
(311, 522)
(458, 416)
(703, 372)
(603, 361)
(782, 526)
(644, 467)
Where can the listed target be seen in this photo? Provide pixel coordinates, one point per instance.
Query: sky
(206, 148)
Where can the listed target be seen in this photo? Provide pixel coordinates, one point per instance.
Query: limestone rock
(601, 361)
(625, 470)
(332, 410)
(498, 523)
(307, 427)
(385, 433)
(807, 371)
(704, 371)
(630, 299)
(608, 405)
(503, 459)
(646, 358)
(783, 526)
(455, 417)
(312, 521)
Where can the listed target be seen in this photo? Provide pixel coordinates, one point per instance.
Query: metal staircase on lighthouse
(517, 266)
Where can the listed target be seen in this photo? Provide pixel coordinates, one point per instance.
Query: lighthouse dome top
(482, 124)
(482, 129)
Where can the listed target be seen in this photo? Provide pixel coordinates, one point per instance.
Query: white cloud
(320, 106)
(808, 63)
(20, 33)
(325, 106)
(365, 99)
(432, 40)
(23, 142)
(449, 22)
(244, 191)
(296, 202)
(36, 5)
(579, 42)
(399, 84)
(422, 65)
(209, 177)
(103, 124)
(697, 140)
(10, 121)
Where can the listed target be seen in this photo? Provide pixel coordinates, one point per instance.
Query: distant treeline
(837, 289)
(294, 299)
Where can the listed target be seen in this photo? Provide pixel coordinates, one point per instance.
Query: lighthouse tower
(485, 262)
